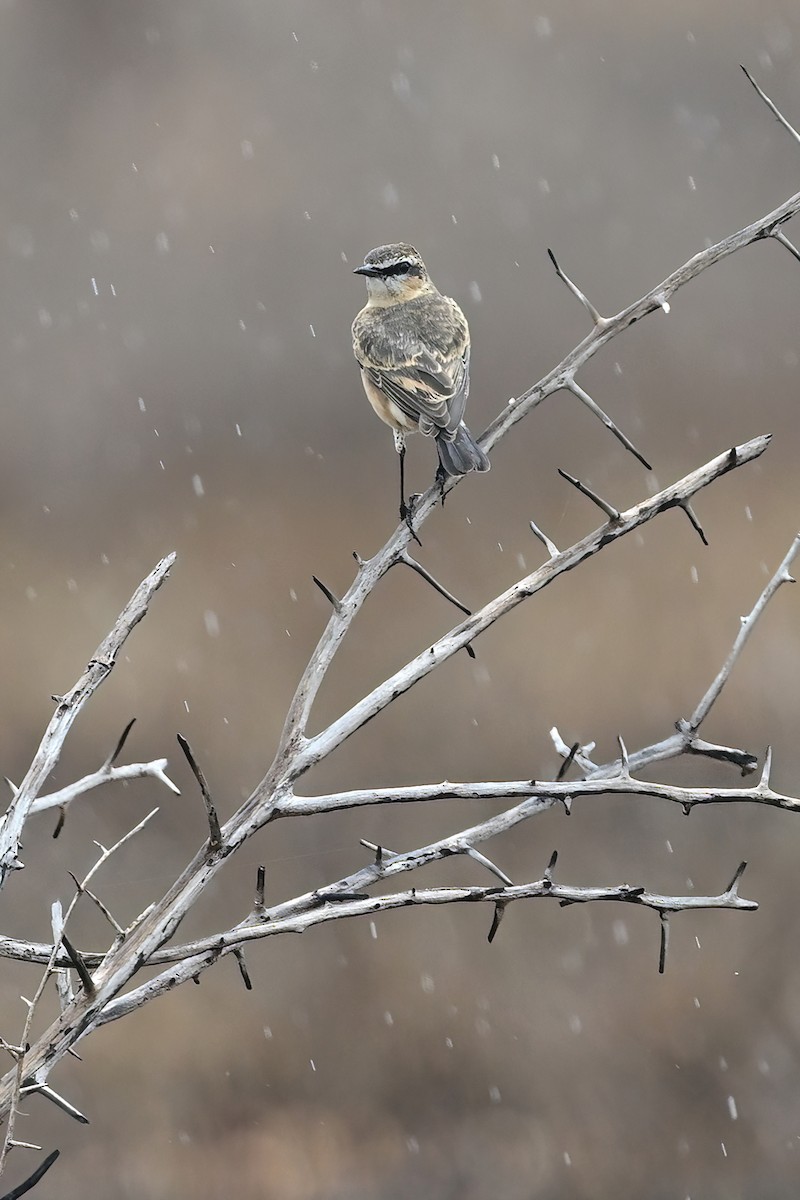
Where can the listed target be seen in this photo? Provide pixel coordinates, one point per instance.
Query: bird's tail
(461, 454)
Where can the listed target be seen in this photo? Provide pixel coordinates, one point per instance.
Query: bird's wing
(431, 391)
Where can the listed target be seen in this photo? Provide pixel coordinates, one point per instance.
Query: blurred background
(186, 188)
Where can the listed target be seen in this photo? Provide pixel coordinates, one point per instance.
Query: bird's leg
(441, 480)
(406, 510)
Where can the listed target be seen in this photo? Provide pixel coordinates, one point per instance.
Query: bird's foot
(407, 514)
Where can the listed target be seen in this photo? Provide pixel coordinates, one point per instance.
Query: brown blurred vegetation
(185, 190)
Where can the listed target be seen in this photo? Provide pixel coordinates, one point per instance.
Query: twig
(207, 950)
(15, 1080)
(780, 577)
(64, 796)
(67, 709)
(776, 112)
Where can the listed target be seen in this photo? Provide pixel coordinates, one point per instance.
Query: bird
(413, 346)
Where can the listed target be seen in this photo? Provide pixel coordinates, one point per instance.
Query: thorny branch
(68, 707)
(106, 974)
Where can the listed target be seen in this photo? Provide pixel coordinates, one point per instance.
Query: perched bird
(412, 344)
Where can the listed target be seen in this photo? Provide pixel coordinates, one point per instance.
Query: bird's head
(394, 273)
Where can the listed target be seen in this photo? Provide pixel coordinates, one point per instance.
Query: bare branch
(318, 747)
(781, 576)
(106, 774)
(67, 709)
(205, 954)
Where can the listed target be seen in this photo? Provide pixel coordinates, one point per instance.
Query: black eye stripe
(400, 268)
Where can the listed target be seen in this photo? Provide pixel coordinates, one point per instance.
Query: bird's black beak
(366, 269)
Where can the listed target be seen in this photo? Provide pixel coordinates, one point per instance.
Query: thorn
(662, 956)
(62, 816)
(45, 1090)
(499, 913)
(780, 236)
(490, 866)
(595, 408)
(623, 752)
(326, 591)
(611, 512)
(599, 321)
(568, 761)
(112, 758)
(406, 558)
(12, 786)
(359, 559)
(79, 965)
(239, 956)
(469, 650)
(548, 873)
(551, 548)
(261, 884)
(763, 783)
(733, 887)
(686, 507)
(215, 833)
(33, 1179)
(379, 856)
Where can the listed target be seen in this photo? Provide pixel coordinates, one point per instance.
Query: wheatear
(412, 344)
